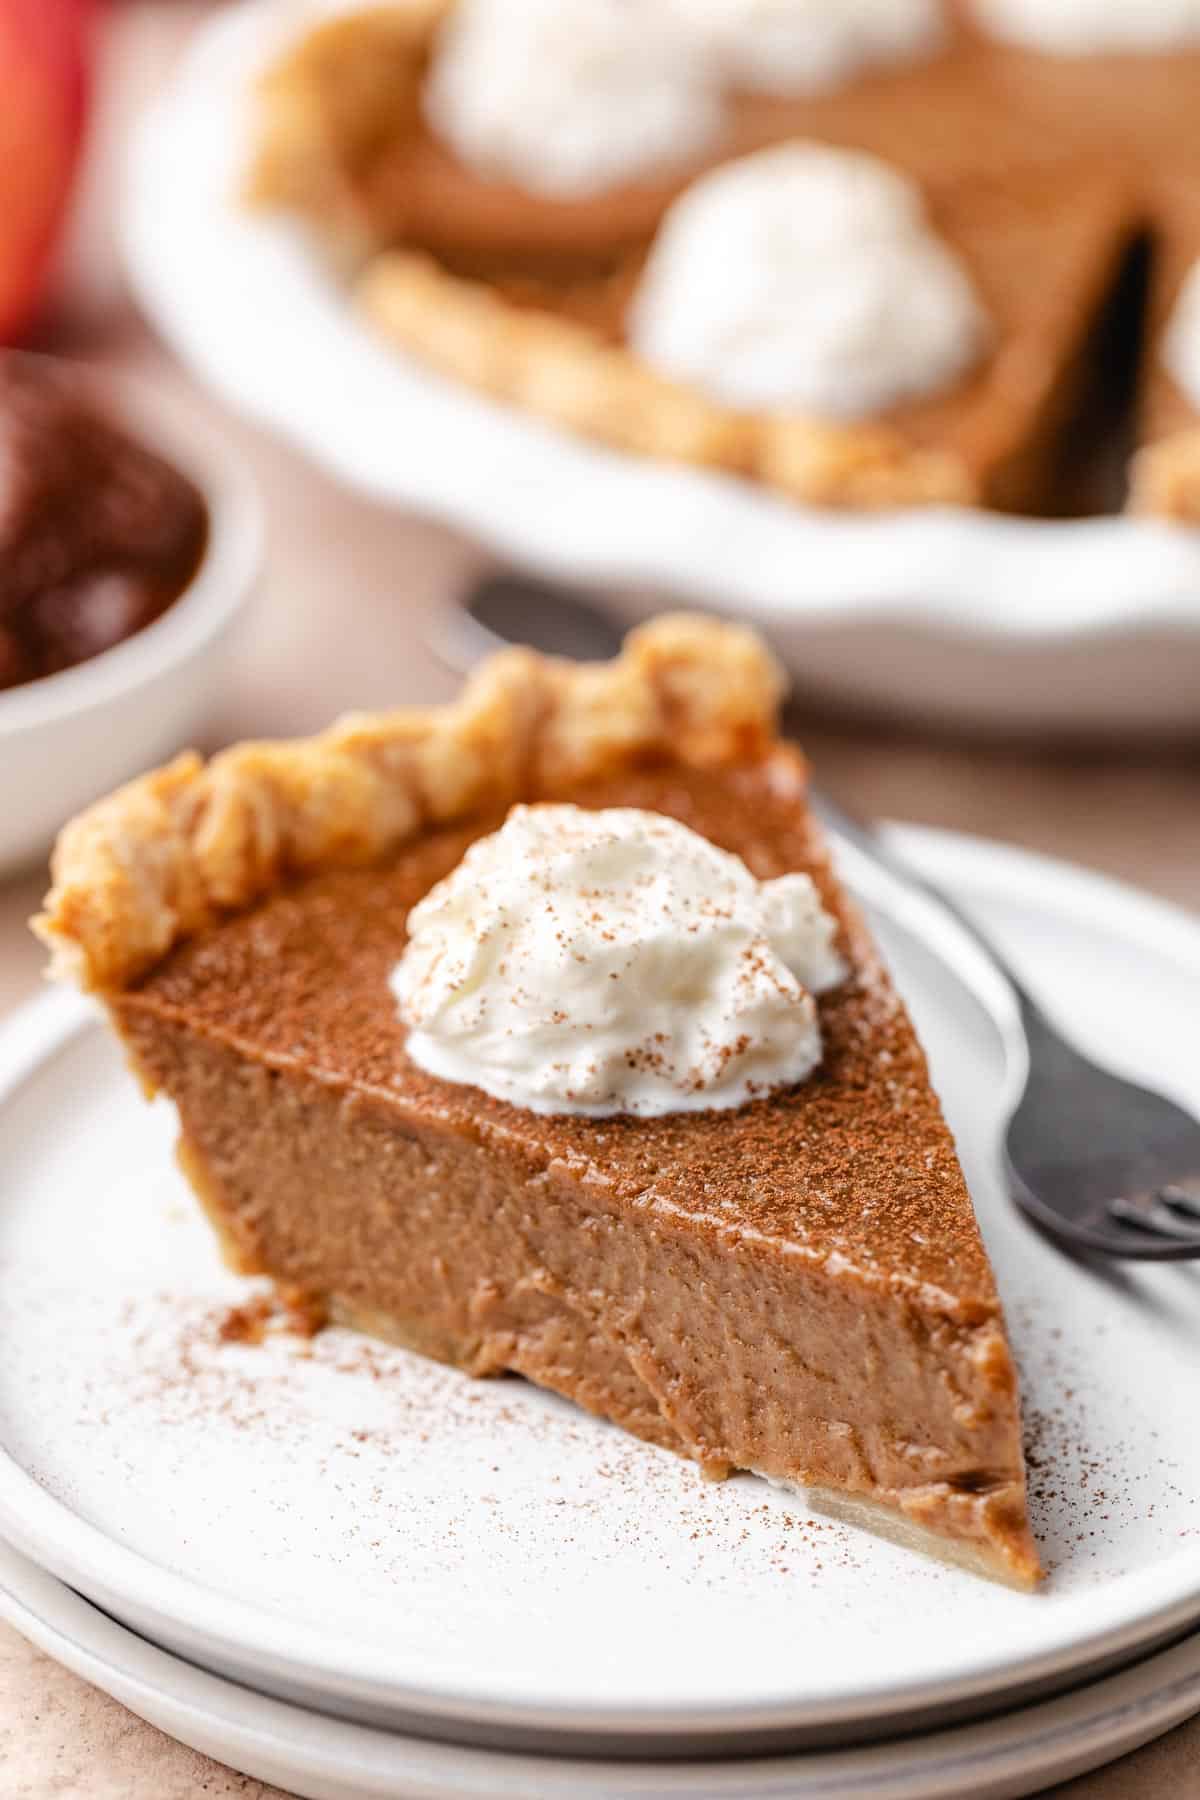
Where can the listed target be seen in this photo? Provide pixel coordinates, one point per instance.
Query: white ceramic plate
(949, 615)
(373, 1533)
(331, 1759)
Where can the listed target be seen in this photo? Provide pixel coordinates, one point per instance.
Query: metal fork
(1101, 1163)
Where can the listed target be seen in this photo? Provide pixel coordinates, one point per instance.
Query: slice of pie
(796, 1287)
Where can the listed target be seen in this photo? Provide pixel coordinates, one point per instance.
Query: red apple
(44, 47)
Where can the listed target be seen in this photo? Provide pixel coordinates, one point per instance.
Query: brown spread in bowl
(98, 534)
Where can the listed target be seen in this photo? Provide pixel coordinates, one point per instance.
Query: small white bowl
(68, 738)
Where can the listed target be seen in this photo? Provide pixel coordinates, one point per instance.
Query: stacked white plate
(357, 1573)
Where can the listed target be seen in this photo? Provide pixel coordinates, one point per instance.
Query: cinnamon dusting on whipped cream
(614, 962)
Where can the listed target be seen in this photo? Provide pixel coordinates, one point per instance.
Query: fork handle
(870, 844)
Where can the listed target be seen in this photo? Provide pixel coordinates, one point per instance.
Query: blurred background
(355, 596)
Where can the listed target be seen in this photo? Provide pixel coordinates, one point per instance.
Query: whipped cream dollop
(1077, 27)
(1181, 342)
(809, 279)
(614, 962)
(803, 46)
(569, 97)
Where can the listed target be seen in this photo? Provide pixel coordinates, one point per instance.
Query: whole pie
(1048, 178)
(794, 1284)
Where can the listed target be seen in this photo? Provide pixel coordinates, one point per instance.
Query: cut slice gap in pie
(1087, 472)
(796, 1287)
(1166, 468)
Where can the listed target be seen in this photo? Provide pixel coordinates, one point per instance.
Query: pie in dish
(1042, 175)
(795, 1286)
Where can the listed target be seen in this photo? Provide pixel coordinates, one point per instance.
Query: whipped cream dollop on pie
(614, 962)
(1077, 27)
(804, 46)
(569, 97)
(807, 279)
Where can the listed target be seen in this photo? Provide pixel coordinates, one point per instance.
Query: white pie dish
(70, 737)
(947, 616)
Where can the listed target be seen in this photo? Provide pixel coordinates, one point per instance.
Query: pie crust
(176, 849)
(561, 371)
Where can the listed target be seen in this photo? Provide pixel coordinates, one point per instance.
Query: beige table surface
(349, 598)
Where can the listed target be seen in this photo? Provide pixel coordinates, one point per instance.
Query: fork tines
(1180, 1201)
(1164, 1214)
